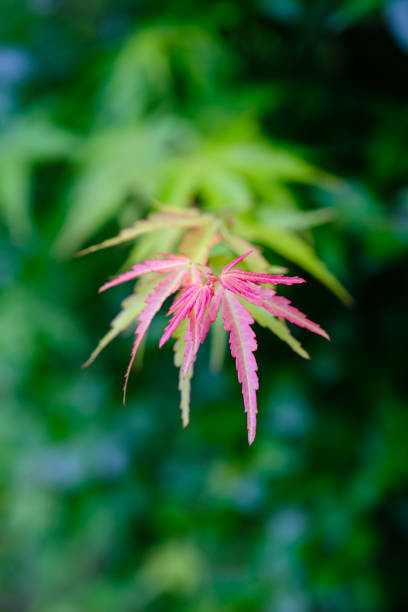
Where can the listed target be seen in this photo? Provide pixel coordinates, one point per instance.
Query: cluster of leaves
(201, 154)
(203, 294)
(107, 507)
(144, 139)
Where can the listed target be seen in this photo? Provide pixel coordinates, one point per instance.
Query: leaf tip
(251, 436)
(162, 341)
(125, 385)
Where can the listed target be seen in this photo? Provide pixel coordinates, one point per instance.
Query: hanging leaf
(154, 301)
(184, 382)
(202, 294)
(238, 321)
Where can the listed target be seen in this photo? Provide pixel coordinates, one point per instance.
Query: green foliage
(24, 143)
(203, 232)
(105, 507)
(297, 250)
(220, 159)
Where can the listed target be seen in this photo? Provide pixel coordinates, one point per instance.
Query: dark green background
(108, 508)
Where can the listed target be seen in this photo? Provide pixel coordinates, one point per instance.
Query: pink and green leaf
(200, 318)
(154, 223)
(154, 301)
(184, 382)
(238, 321)
(171, 263)
(281, 307)
(276, 326)
(239, 294)
(131, 308)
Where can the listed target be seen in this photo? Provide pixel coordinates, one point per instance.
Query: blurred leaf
(255, 261)
(258, 158)
(295, 221)
(197, 242)
(36, 138)
(150, 61)
(155, 222)
(26, 142)
(113, 166)
(148, 245)
(228, 165)
(297, 250)
(141, 68)
(15, 196)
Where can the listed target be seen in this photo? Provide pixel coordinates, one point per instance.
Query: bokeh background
(105, 507)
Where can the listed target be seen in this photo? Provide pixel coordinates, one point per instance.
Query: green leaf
(256, 159)
(141, 68)
(36, 139)
(184, 383)
(116, 165)
(154, 223)
(297, 250)
(200, 175)
(149, 245)
(256, 261)
(196, 243)
(222, 188)
(144, 70)
(15, 196)
(277, 326)
(295, 220)
(181, 178)
(26, 141)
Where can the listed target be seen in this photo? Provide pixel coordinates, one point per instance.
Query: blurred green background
(103, 104)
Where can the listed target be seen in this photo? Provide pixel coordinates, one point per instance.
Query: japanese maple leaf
(178, 271)
(201, 301)
(246, 285)
(202, 295)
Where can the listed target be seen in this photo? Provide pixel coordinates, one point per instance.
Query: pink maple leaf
(237, 321)
(202, 296)
(171, 263)
(178, 271)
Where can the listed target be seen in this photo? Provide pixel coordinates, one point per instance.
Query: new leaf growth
(237, 294)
